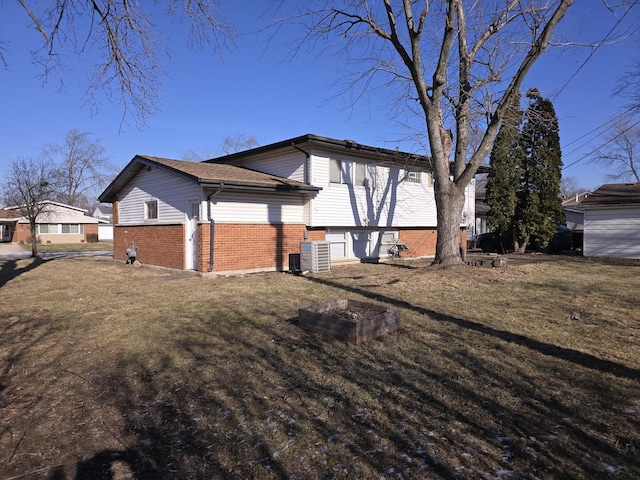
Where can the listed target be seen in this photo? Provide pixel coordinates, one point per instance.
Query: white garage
(612, 221)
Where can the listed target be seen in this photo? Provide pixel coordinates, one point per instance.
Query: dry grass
(111, 371)
(70, 247)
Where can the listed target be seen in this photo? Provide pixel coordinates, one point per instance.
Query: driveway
(11, 251)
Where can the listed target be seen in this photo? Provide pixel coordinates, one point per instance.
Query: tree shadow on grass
(240, 392)
(577, 357)
(9, 269)
(100, 466)
(283, 403)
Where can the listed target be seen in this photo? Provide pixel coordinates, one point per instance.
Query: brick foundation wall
(422, 241)
(90, 228)
(250, 246)
(317, 235)
(162, 245)
(242, 247)
(21, 233)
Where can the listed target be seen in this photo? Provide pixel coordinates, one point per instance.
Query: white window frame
(149, 211)
(78, 225)
(413, 176)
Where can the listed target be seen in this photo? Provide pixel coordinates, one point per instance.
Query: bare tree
(629, 87)
(198, 155)
(621, 151)
(121, 34)
(27, 186)
(230, 144)
(569, 188)
(237, 143)
(455, 61)
(84, 168)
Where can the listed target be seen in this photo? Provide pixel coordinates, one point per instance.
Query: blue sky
(256, 91)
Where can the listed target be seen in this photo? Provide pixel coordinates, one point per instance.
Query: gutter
(307, 166)
(212, 225)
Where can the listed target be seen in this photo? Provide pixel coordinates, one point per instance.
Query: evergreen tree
(523, 188)
(504, 160)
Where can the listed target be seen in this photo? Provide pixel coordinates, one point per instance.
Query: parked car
(562, 240)
(490, 243)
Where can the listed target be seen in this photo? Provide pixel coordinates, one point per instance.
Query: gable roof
(206, 174)
(354, 149)
(614, 195)
(104, 209)
(331, 144)
(575, 200)
(52, 203)
(52, 212)
(8, 215)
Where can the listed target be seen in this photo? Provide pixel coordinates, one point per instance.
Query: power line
(609, 124)
(594, 50)
(592, 152)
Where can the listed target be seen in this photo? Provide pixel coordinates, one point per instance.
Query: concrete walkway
(12, 251)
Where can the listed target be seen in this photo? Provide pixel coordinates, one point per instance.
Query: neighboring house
(612, 221)
(481, 206)
(8, 221)
(574, 218)
(104, 213)
(250, 210)
(56, 223)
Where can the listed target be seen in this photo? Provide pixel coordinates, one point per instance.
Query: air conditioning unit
(315, 257)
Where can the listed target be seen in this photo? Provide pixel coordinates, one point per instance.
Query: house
(104, 214)
(574, 217)
(612, 221)
(56, 223)
(481, 206)
(249, 211)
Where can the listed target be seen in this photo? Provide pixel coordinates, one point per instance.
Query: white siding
(235, 207)
(170, 190)
(288, 165)
(469, 210)
(387, 200)
(612, 233)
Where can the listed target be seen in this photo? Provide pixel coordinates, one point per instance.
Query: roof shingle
(613, 194)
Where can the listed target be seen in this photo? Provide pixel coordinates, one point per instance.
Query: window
(71, 228)
(151, 210)
(335, 171)
(48, 228)
(361, 174)
(413, 176)
(365, 175)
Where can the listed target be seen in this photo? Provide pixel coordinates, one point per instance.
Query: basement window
(151, 210)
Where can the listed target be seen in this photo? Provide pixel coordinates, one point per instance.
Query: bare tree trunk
(34, 243)
(450, 201)
(519, 247)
